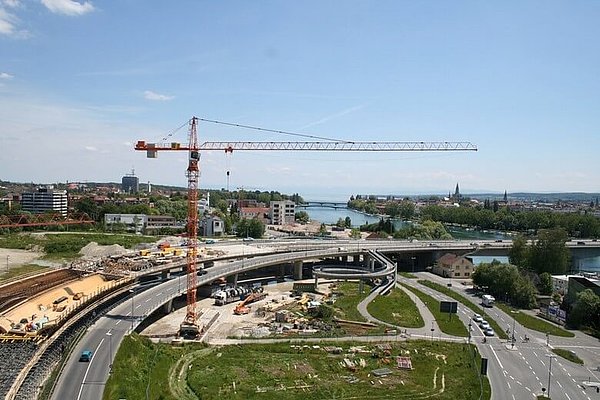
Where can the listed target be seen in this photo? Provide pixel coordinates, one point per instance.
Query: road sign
(448, 307)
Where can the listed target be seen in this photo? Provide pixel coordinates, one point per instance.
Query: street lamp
(7, 257)
(470, 327)
(132, 295)
(109, 349)
(551, 356)
(432, 329)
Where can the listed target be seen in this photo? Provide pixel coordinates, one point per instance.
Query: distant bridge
(324, 204)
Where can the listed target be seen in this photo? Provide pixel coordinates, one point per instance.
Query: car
(248, 239)
(484, 324)
(488, 332)
(477, 318)
(86, 356)
(209, 241)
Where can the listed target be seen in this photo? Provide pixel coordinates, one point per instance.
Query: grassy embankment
(537, 324)
(67, 246)
(448, 325)
(22, 270)
(568, 355)
(273, 371)
(468, 303)
(407, 275)
(396, 308)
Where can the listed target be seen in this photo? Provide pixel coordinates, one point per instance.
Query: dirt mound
(94, 250)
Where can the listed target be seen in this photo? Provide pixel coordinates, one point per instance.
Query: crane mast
(190, 325)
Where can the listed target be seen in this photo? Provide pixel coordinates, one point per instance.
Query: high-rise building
(130, 183)
(45, 199)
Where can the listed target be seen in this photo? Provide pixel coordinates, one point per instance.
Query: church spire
(457, 192)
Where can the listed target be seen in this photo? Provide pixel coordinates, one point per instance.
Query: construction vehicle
(189, 326)
(251, 298)
(230, 295)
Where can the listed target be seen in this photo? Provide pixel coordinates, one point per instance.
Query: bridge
(323, 204)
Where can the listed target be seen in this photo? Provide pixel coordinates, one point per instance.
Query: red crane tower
(190, 324)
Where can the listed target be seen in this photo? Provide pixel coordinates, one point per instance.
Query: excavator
(241, 308)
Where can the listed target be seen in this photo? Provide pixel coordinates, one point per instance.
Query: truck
(487, 300)
(229, 295)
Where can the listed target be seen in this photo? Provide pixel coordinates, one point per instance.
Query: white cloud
(150, 95)
(5, 75)
(91, 148)
(12, 3)
(68, 7)
(7, 23)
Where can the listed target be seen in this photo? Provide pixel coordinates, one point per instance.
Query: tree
(302, 217)
(586, 310)
(519, 253)
(323, 230)
(355, 233)
(545, 285)
(250, 228)
(549, 253)
(340, 223)
(348, 222)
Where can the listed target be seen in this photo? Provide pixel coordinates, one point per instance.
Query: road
(521, 371)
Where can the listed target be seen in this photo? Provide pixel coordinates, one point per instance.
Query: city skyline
(80, 82)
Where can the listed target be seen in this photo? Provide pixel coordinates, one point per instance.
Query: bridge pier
(165, 275)
(235, 280)
(298, 270)
(168, 307)
(282, 272)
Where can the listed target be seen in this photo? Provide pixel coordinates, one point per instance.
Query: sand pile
(94, 250)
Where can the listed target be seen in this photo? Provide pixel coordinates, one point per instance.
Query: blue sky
(80, 82)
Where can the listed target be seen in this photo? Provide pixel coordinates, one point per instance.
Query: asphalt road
(521, 371)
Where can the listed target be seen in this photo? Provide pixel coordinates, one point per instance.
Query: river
(332, 215)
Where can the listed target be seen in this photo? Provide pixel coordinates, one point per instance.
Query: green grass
(396, 308)
(347, 300)
(462, 299)
(531, 322)
(67, 245)
(22, 270)
(260, 371)
(407, 275)
(568, 355)
(450, 326)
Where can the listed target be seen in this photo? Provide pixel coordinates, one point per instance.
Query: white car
(484, 324)
(488, 332)
(477, 318)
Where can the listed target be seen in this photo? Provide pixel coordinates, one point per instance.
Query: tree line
(575, 224)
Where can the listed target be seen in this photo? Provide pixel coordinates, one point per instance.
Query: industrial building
(45, 199)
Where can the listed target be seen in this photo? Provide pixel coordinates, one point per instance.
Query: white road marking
(138, 306)
(88, 369)
(496, 355)
(559, 384)
(118, 322)
(568, 398)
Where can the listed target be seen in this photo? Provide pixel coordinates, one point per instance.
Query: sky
(80, 82)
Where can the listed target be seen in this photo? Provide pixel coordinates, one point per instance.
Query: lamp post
(109, 349)
(470, 327)
(413, 258)
(132, 295)
(551, 356)
(7, 257)
(513, 332)
(432, 329)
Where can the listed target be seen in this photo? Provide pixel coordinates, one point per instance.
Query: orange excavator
(241, 308)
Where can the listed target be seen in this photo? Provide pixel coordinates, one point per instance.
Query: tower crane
(190, 326)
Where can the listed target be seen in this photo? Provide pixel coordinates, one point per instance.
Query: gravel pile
(94, 250)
